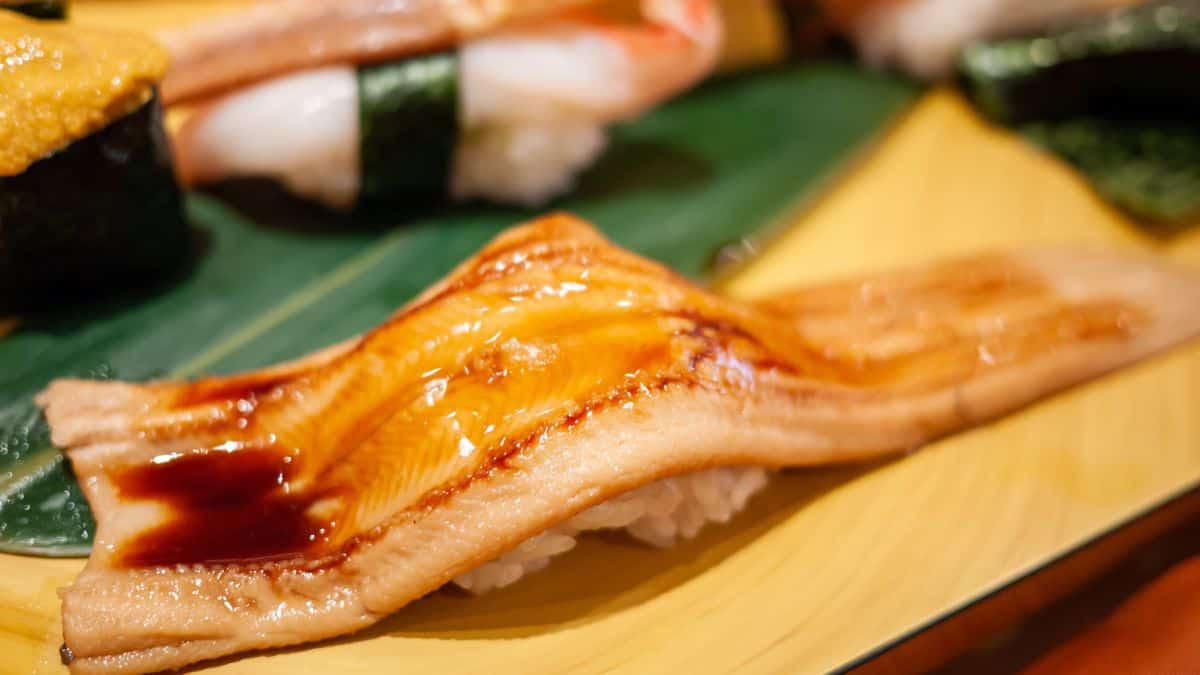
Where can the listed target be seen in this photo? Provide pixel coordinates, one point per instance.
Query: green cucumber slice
(408, 117)
(103, 212)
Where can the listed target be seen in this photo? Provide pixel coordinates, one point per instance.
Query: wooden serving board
(826, 566)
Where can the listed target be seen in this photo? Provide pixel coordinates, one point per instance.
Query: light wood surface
(826, 565)
(1006, 630)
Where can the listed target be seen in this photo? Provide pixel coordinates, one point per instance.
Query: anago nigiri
(424, 100)
(554, 383)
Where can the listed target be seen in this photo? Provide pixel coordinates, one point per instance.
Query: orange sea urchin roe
(60, 83)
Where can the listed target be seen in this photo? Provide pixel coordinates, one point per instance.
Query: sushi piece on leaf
(551, 385)
(510, 116)
(88, 198)
(1112, 96)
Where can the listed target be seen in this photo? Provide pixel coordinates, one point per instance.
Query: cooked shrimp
(277, 36)
(533, 103)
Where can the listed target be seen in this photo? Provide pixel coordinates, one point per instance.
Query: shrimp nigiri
(510, 116)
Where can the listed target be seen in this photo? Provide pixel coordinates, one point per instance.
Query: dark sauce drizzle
(237, 503)
(226, 506)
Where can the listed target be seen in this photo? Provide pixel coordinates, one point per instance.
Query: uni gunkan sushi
(344, 101)
(88, 198)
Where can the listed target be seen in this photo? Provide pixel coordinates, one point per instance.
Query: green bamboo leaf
(714, 167)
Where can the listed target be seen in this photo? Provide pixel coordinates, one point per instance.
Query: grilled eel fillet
(550, 372)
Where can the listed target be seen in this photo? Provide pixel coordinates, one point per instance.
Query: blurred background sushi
(352, 101)
(925, 37)
(88, 199)
(1107, 85)
(349, 103)
(1113, 94)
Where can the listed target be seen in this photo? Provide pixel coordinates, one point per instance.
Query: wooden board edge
(944, 637)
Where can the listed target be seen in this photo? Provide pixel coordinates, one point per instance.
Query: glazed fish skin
(574, 371)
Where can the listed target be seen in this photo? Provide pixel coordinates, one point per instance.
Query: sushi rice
(302, 130)
(658, 514)
(524, 164)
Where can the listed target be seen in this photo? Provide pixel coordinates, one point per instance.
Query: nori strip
(1149, 168)
(39, 9)
(1114, 96)
(104, 211)
(1142, 60)
(408, 116)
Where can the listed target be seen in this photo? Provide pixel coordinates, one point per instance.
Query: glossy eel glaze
(551, 372)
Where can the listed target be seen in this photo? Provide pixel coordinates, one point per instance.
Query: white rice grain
(527, 164)
(658, 514)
